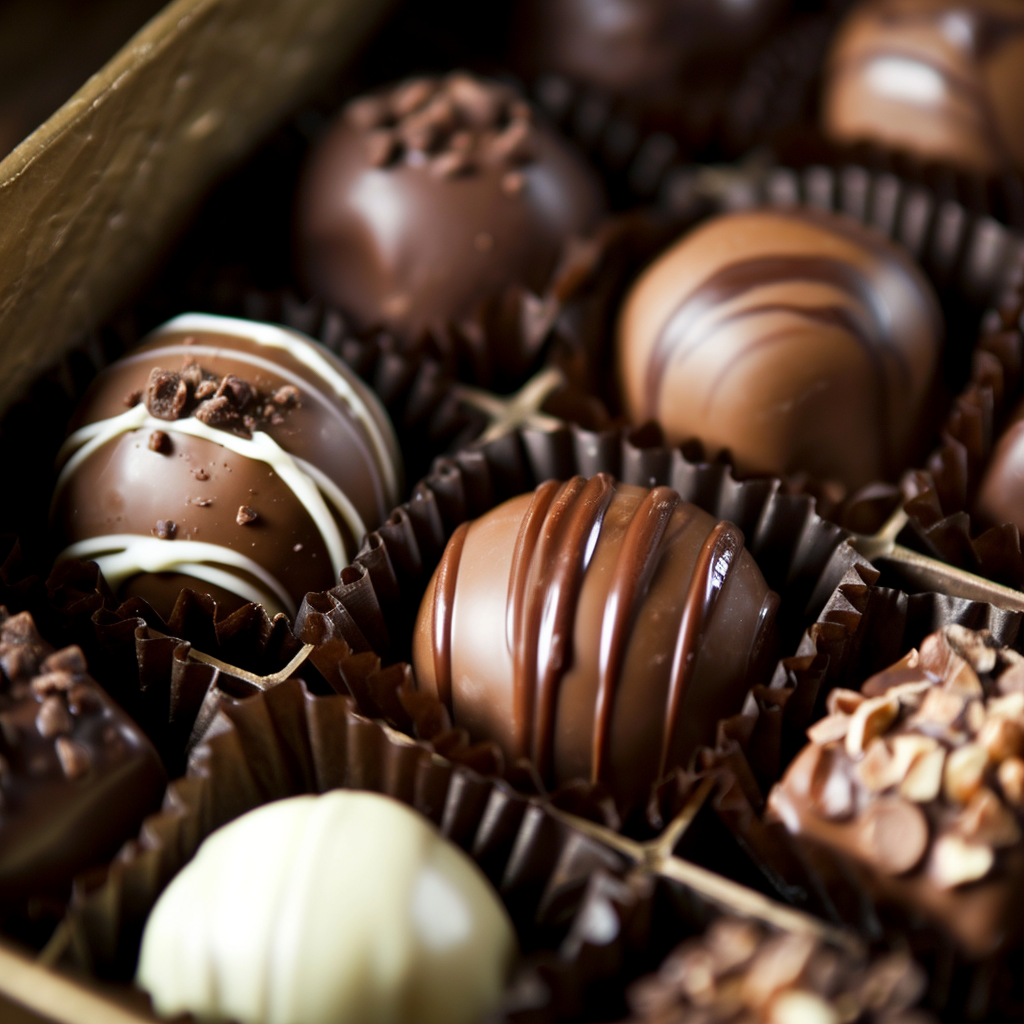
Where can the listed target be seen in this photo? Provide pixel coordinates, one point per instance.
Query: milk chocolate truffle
(433, 197)
(77, 776)
(356, 909)
(742, 970)
(640, 48)
(915, 785)
(599, 630)
(236, 458)
(1001, 494)
(800, 341)
(943, 79)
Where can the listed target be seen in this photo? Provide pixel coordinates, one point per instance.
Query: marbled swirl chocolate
(941, 78)
(598, 630)
(799, 341)
(233, 457)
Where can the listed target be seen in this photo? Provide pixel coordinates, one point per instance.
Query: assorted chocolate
(432, 201)
(232, 457)
(798, 341)
(740, 969)
(598, 630)
(916, 783)
(77, 776)
(943, 79)
(591, 631)
(354, 909)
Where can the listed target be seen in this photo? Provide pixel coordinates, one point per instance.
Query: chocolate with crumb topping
(76, 774)
(431, 198)
(916, 782)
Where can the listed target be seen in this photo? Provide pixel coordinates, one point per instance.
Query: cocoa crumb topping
(160, 442)
(227, 403)
(132, 399)
(454, 125)
(246, 515)
(165, 529)
(200, 474)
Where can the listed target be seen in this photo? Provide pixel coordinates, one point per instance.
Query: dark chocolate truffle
(801, 342)
(943, 79)
(432, 198)
(76, 775)
(248, 464)
(599, 630)
(640, 48)
(915, 785)
(1001, 494)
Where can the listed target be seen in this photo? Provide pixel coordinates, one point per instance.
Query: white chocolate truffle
(342, 907)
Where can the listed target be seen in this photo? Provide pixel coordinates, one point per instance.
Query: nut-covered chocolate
(647, 49)
(76, 775)
(943, 79)
(597, 629)
(917, 781)
(742, 970)
(799, 341)
(432, 198)
(232, 457)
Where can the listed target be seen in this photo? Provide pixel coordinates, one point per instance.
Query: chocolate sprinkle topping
(165, 529)
(246, 515)
(160, 442)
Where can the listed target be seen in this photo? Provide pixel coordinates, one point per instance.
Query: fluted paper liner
(287, 741)
(361, 630)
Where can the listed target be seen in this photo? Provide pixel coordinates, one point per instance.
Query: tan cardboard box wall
(91, 200)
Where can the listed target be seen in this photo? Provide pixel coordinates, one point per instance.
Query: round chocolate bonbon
(1000, 497)
(943, 79)
(647, 49)
(431, 198)
(348, 906)
(248, 464)
(799, 341)
(598, 629)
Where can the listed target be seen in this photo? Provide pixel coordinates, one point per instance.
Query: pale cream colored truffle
(347, 906)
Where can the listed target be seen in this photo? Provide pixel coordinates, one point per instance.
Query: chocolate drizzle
(444, 603)
(716, 558)
(633, 571)
(556, 540)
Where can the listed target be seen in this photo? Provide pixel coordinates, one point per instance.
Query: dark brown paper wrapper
(286, 742)
(862, 630)
(362, 629)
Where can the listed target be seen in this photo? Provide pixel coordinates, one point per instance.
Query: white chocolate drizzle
(304, 481)
(128, 554)
(304, 351)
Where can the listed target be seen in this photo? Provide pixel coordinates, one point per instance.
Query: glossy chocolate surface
(801, 342)
(1000, 497)
(597, 629)
(916, 785)
(433, 197)
(943, 79)
(287, 477)
(76, 775)
(638, 48)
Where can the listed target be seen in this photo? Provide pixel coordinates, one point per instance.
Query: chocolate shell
(597, 629)
(799, 341)
(943, 79)
(76, 775)
(1000, 496)
(432, 198)
(249, 464)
